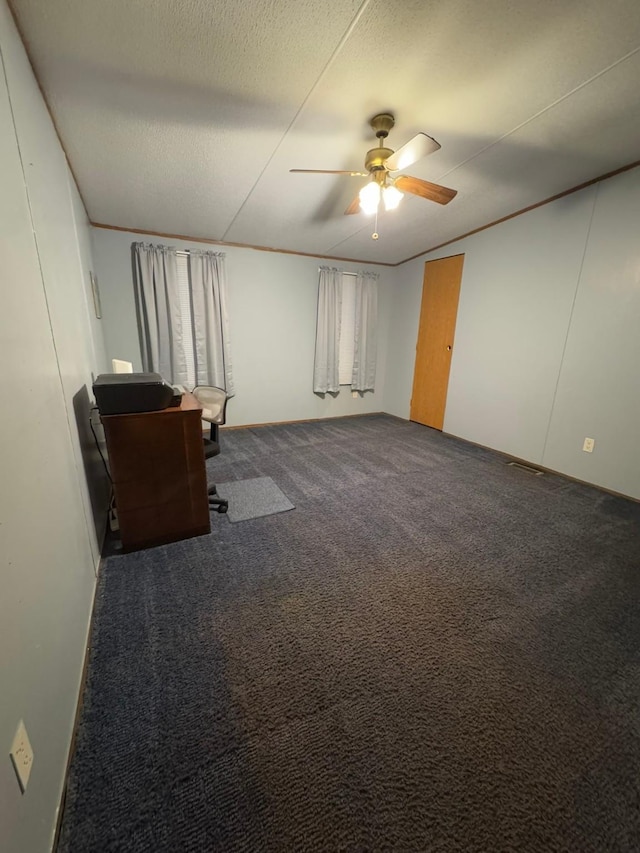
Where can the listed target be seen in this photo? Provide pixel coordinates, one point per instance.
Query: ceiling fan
(380, 162)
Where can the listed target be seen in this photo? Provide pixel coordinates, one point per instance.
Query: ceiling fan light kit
(369, 197)
(381, 161)
(391, 197)
(371, 193)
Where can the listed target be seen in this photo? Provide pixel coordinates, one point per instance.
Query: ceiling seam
(495, 142)
(542, 111)
(328, 64)
(528, 209)
(420, 254)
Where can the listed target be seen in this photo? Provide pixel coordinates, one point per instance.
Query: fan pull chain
(375, 234)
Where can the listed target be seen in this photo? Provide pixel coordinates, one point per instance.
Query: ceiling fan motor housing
(379, 168)
(375, 159)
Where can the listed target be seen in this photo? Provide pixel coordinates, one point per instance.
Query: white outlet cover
(588, 445)
(22, 756)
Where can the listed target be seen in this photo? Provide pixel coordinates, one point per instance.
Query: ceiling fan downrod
(376, 157)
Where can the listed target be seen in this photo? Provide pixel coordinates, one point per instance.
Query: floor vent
(526, 468)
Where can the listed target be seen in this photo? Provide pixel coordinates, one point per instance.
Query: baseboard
(303, 420)
(506, 456)
(76, 719)
(543, 468)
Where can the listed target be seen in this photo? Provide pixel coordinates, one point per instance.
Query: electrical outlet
(589, 444)
(22, 756)
(354, 394)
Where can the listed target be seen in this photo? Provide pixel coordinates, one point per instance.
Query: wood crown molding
(191, 239)
(564, 193)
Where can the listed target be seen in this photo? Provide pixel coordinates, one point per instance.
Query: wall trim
(529, 463)
(302, 421)
(556, 197)
(79, 705)
(508, 457)
(564, 193)
(191, 239)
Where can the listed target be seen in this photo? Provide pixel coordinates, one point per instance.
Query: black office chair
(214, 406)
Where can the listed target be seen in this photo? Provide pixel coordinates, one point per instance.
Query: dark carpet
(434, 652)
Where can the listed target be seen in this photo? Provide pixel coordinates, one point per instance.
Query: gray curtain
(325, 373)
(366, 333)
(211, 341)
(159, 317)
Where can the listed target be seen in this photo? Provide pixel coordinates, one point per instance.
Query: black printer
(124, 393)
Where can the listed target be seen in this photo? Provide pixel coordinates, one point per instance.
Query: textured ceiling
(184, 116)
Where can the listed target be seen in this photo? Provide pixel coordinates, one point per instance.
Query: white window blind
(347, 328)
(182, 261)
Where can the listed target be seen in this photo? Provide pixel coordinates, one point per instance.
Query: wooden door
(440, 292)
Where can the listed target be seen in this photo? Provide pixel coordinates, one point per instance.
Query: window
(186, 315)
(347, 328)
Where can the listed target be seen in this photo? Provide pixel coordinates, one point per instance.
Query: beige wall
(273, 300)
(547, 346)
(48, 542)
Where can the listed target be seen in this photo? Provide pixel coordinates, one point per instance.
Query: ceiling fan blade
(412, 151)
(432, 192)
(354, 207)
(330, 172)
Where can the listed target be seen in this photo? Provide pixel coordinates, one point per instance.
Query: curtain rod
(344, 273)
(187, 252)
(190, 252)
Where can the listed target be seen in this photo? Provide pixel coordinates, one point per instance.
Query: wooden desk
(159, 476)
